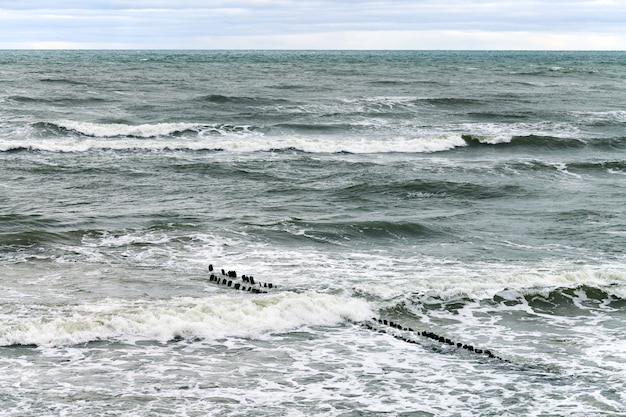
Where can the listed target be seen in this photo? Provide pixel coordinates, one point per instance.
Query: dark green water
(476, 195)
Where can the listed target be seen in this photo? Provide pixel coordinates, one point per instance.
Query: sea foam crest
(156, 138)
(104, 130)
(357, 145)
(610, 116)
(499, 133)
(208, 318)
(482, 282)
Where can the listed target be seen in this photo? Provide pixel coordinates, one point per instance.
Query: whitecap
(211, 318)
(103, 130)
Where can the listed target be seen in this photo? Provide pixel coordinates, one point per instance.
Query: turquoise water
(477, 196)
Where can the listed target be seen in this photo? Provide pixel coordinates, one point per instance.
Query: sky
(311, 24)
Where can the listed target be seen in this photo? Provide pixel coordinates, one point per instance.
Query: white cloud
(432, 39)
(315, 24)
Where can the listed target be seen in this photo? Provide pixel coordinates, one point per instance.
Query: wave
(450, 101)
(407, 82)
(603, 166)
(72, 136)
(328, 231)
(85, 137)
(578, 297)
(399, 105)
(240, 100)
(112, 130)
(300, 87)
(576, 300)
(602, 118)
(431, 189)
(555, 71)
(39, 237)
(317, 127)
(501, 115)
(487, 282)
(522, 134)
(546, 142)
(466, 190)
(615, 143)
(239, 315)
(396, 103)
(527, 141)
(62, 81)
(65, 101)
(357, 136)
(35, 230)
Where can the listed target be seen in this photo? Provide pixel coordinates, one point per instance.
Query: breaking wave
(164, 320)
(529, 141)
(354, 137)
(112, 130)
(74, 136)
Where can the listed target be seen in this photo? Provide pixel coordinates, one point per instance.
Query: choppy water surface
(477, 196)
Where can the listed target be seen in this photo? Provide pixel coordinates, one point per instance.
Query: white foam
(356, 145)
(122, 240)
(496, 133)
(107, 130)
(237, 142)
(618, 116)
(449, 281)
(239, 315)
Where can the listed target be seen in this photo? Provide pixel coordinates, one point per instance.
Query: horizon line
(308, 50)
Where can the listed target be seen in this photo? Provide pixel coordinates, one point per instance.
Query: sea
(312, 233)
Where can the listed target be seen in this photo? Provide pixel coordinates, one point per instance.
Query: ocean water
(444, 233)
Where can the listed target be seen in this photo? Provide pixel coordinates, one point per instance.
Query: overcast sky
(315, 24)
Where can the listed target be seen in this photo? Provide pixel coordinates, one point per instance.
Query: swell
(64, 101)
(573, 300)
(556, 71)
(43, 236)
(103, 130)
(419, 188)
(240, 100)
(322, 128)
(501, 116)
(450, 101)
(600, 166)
(608, 118)
(526, 141)
(62, 81)
(337, 232)
(278, 108)
(36, 230)
(34, 238)
(392, 83)
(616, 143)
(544, 142)
(581, 297)
(12, 222)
